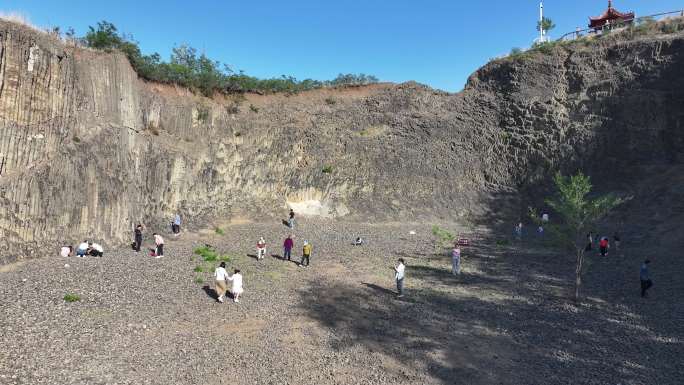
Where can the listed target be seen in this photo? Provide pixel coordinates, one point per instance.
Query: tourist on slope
(236, 289)
(616, 241)
(456, 260)
(261, 248)
(590, 242)
(519, 231)
(604, 246)
(159, 242)
(644, 276)
(306, 254)
(287, 247)
(291, 221)
(82, 249)
(95, 250)
(176, 225)
(399, 277)
(66, 251)
(138, 237)
(220, 274)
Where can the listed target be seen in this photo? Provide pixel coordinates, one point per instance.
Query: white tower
(542, 38)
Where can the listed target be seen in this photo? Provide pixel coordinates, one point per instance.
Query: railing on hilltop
(589, 31)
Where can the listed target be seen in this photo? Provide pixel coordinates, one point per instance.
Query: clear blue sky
(435, 42)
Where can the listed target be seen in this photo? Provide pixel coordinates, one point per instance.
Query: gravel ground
(506, 320)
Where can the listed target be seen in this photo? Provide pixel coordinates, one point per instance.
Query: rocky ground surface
(506, 320)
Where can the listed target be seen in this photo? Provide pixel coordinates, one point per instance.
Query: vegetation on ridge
(198, 72)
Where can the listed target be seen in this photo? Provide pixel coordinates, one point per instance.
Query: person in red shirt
(603, 246)
(287, 247)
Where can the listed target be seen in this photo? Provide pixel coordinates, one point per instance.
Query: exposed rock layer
(87, 149)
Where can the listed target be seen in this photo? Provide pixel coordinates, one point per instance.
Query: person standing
(645, 278)
(306, 254)
(590, 242)
(66, 251)
(261, 248)
(291, 220)
(138, 237)
(456, 260)
(616, 241)
(519, 231)
(287, 247)
(604, 246)
(399, 277)
(159, 242)
(176, 225)
(236, 289)
(220, 274)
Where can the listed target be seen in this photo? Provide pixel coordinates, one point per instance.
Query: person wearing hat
(306, 254)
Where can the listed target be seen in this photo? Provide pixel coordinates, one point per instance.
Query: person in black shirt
(138, 237)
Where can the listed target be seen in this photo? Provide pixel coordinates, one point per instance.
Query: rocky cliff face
(87, 149)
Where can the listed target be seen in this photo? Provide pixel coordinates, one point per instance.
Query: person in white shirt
(456, 261)
(66, 251)
(237, 289)
(159, 242)
(82, 249)
(221, 274)
(261, 248)
(96, 250)
(399, 277)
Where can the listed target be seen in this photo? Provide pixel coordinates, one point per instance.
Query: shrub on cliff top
(201, 74)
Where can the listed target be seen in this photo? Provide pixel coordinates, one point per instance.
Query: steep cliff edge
(87, 149)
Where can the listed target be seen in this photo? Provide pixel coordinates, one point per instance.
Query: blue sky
(435, 42)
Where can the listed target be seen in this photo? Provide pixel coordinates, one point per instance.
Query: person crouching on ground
(95, 250)
(306, 254)
(261, 248)
(236, 288)
(82, 249)
(399, 277)
(159, 242)
(456, 260)
(66, 251)
(220, 274)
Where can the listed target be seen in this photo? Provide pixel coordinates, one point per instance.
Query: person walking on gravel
(291, 221)
(176, 225)
(287, 247)
(456, 261)
(399, 277)
(261, 248)
(138, 237)
(306, 254)
(220, 274)
(236, 289)
(645, 278)
(616, 241)
(159, 242)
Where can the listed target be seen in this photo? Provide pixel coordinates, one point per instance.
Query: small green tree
(443, 238)
(577, 214)
(545, 24)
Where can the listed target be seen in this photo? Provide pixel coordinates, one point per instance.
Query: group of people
(85, 248)
(603, 242)
(158, 250)
(221, 276)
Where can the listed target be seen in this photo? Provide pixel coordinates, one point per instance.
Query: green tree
(546, 24)
(104, 37)
(577, 215)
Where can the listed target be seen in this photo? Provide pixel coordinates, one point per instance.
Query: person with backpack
(306, 254)
(261, 248)
(287, 247)
(645, 278)
(603, 246)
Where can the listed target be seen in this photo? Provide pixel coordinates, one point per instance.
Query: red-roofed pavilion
(610, 16)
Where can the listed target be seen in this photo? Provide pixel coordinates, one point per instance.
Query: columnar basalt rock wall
(87, 149)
